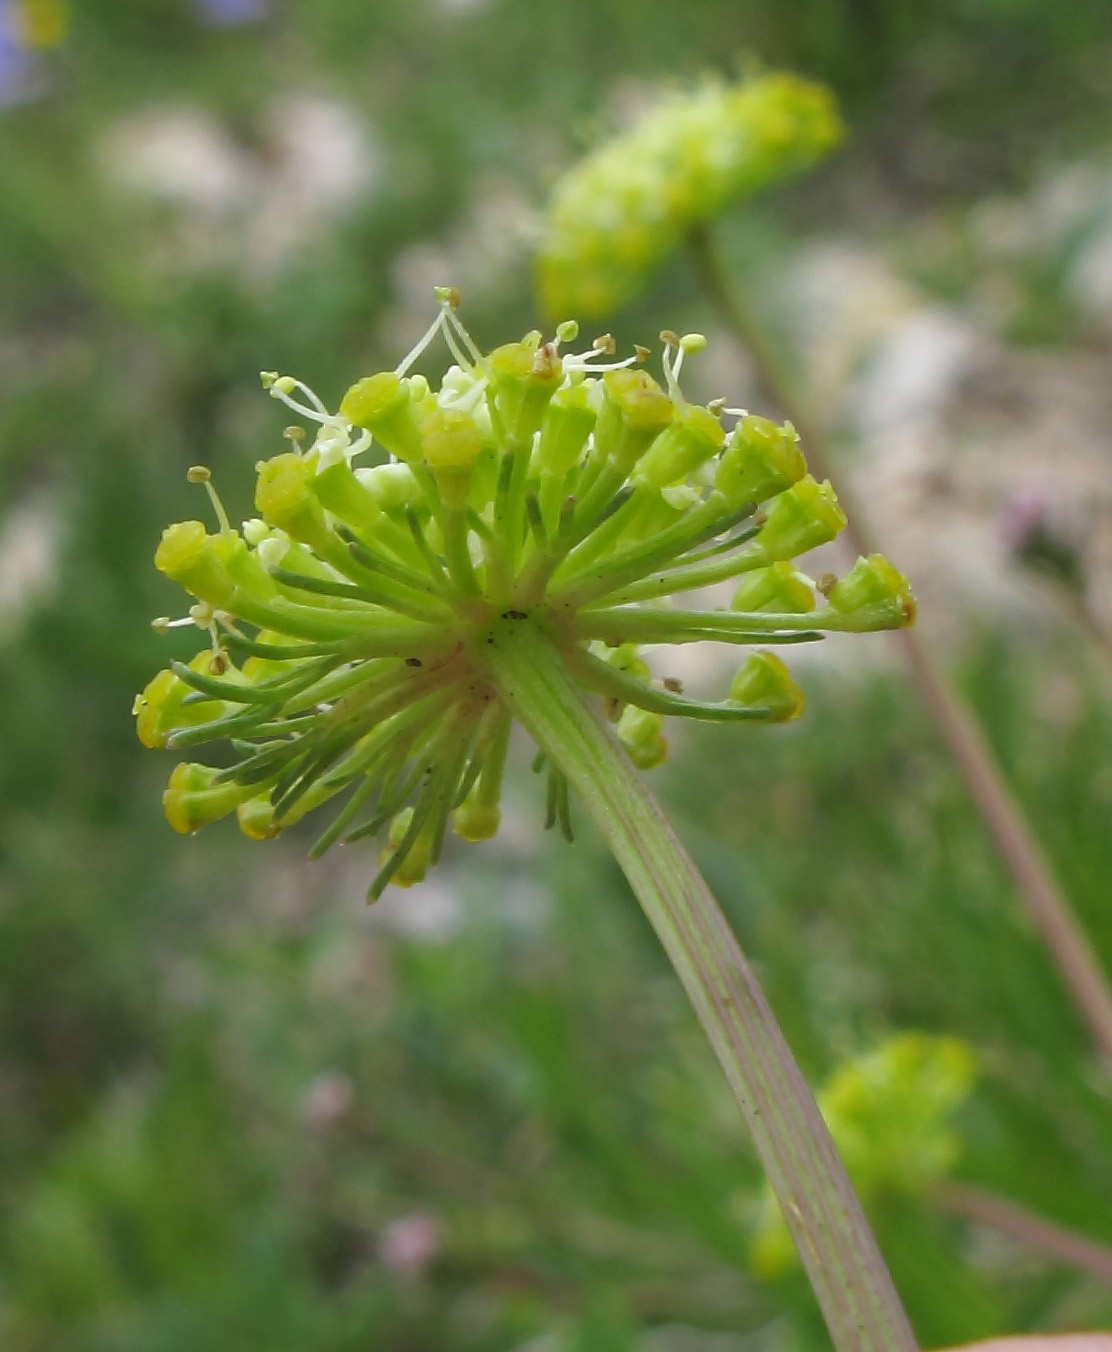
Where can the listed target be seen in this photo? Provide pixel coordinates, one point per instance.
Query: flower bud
(635, 411)
(639, 731)
(805, 516)
(273, 548)
(568, 422)
(415, 865)
(626, 660)
(338, 491)
(159, 711)
(760, 461)
(188, 555)
(452, 443)
(524, 376)
(694, 436)
(776, 590)
(383, 406)
(192, 799)
(474, 820)
(246, 569)
(874, 595)
(392, 487)
(284, 497)
(256, 818)
(764, 682)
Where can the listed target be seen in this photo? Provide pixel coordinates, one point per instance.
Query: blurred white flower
(182, 156)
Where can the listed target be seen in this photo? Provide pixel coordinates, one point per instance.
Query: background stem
(847, 1272)
(1035, 1232)
(1038, 888)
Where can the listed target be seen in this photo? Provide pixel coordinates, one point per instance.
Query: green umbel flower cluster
(618, 213)
(348, 623)
(889, 1112)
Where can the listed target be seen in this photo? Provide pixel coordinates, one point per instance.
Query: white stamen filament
(359, 446)
(472, 347)
(671, 366)
(465, 399)
(421, 344)
(218, 507)
(214, 637)
(582, 361)
(276, 392)
(313, 398)
(462, 360)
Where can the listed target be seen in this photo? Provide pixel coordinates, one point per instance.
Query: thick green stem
(838, 1251)
(1038, 888)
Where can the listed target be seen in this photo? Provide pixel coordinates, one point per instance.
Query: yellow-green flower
(619, 212)
(352, 625)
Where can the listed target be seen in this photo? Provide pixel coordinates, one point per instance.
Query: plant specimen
(440, 561)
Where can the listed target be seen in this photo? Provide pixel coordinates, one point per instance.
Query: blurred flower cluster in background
(238, 1108)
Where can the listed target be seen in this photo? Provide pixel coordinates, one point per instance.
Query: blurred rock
(247, 209)
(433, 912)
(29, 539)
(951, 428)
(485, 255)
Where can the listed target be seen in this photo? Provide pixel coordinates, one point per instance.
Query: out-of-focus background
(239, 1109)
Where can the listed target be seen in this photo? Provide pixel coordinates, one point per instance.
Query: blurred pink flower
(409, 1244)
(1024, 516)
(327, 1099)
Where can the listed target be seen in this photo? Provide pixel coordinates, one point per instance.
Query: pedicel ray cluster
(347, 623)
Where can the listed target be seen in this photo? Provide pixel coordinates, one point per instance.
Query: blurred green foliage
(223, 1084)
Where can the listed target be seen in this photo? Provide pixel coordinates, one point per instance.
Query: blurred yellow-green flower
(618, 213)
(889, 1112)
(564, 493)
